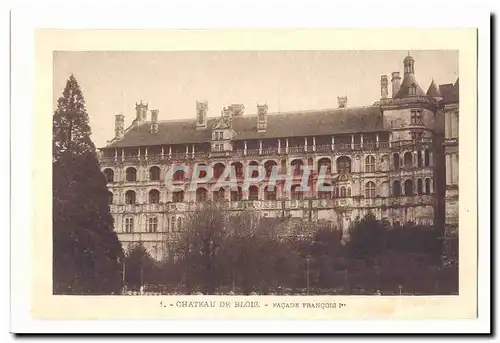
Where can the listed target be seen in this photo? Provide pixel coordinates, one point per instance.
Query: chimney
(396, 82)
(384, 82)
(154, 121)
(237, 109)
(119, 125)
(141, 111)
(226, 111)
(342, 101)
(262, 117)
(201, 115)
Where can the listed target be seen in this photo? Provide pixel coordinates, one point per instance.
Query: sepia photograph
(283, 173)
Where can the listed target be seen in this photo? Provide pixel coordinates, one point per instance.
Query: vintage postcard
(259, 180)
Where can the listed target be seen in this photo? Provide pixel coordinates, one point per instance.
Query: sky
(172, 82)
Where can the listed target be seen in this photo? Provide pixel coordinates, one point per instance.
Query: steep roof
(404, 89)
(279, 125)
(449, 92)
(433, 90)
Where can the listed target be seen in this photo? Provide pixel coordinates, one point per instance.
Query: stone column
(187, 150)
(352, 142)
(377, 143)
(361, 141)
(192, 150)
(162, 151)
(333, 143)
(448, 169)
(260, 147)
(431, 159)
(454, 168)
(169, 151)
(116, 155)
(314, 143)
(305, 143)
(279, 146)
(245, 148)
(146, 153)
(286, 148)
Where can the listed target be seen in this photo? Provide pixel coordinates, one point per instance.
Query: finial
(409, 53)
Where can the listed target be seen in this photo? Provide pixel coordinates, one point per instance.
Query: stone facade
(386, 158)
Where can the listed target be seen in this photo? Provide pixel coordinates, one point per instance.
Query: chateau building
(387, 158)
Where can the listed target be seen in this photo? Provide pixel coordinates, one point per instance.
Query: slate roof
(404, 89)
(433, 90)
(449, 92)
(279, 125)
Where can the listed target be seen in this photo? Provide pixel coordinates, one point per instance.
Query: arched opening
(419, 158)
(110, 198)
(337, 192)
(270, 193)
(426, 158)
(268, 166)
(219, 195)
(408, 160)
(324, 194)
(325, 166)
(419, 186)
(154, 173)
(129, 197)
(219, 170)
(296, 166)
(154, 196)
(370, 189)
(236, 195)
(178, 175)
(348, 192)
(409, 187)
(427, 186)
(370, 164)
(131, 174)
(238, 169)
(201, 194)
(343, 192)
(178, 196)
(201, 170)
(296, 193)
(179, 223)
(395, 161)
(255, 171)
(253, 193)
(109, 175)
(396, 189)
(343, 165)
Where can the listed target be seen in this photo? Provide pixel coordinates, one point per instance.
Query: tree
(200, 245)
(368, 238)
(140, 268)
(86, 250)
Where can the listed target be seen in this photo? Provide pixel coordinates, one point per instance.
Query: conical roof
(433, 90)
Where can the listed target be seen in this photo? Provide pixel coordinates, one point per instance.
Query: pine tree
(86, 250)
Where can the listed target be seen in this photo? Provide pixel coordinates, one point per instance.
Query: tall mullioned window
(129, 225)
(370, 164)
(152, 224)
(416, 117)
(370, 189)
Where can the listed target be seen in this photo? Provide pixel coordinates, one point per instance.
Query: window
(396, 189)
(427, 186)
(253, 193)
(408, 160)
(201, 195)
(172, 223)
(219, 195)
(152, 224)
(342, 192)
(370, 164)
(219, 170)
(236, 195)
(130, 197)
(427, 158)
(110, 198)
(296, 194)
(178, 175)
(179, 224)
(419, 158)
(109, 175)
(131, 174)
(154, 196)
(419, 186)
(219, 135)
(129, 225)
(178, 196)
(416, 117)
(370, 189)
(409, 187)
(343, 165)
(270, 193)
(154, 173)
(396, 162)
(412, 90)
(324, 165)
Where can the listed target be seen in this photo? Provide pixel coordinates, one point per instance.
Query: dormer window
(412, 90)
(219, 135)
